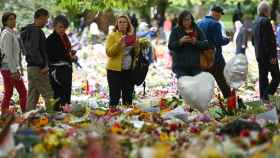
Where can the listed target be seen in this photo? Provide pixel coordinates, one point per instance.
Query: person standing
(11, 64)
(213, 30)
(186, 42)
(244, 35)
(119, 45)
(34, 41)
(237, 15)
(167, 27)
(134, 22)
(266, 52)
(60, 57)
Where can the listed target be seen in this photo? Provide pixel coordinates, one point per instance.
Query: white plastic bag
(270, 116)
(178, 113)
(198, 90)
(236, 71)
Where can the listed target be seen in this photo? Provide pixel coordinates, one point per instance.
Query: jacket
(114, 51)
(36, 54)
(56, 49)
(186, 57)
(213, 30)
(264, 39)
(9, 46)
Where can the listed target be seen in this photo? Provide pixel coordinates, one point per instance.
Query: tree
(274, 9)
(24, 9)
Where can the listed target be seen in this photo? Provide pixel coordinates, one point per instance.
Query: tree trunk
(274, 9)
(103, 19)
(161, 8)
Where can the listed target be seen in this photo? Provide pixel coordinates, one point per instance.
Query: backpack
(141, 64)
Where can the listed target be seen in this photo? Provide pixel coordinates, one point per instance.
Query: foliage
(77, 8)
(25, 9)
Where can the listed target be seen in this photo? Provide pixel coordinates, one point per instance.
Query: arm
(8, 48)
(113, 47)
(217, 35)
(43, 48)
(268, 39)
(174, 40)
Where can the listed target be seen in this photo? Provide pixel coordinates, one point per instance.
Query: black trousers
(61, 82)
(120, 84)
(267, 88)
(217, 70)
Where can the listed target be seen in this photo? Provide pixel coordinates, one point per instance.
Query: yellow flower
(258, 155)
(163, 137)
(39, 148)
(162, 150)
(210, 152)
(116, 129)
(68, 118)
(51, 141)
(276, 139)
(98, 112)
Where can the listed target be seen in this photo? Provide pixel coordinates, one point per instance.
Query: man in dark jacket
(213, 30)
(266, 53)
(34, 42)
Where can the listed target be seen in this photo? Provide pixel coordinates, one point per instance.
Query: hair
(62, 20)
(6, 16)
(130, 28)
(182, 16)
(263, 7)
(40, 12)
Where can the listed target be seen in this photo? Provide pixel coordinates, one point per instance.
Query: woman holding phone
(186, 41)
(119, 47)
(61, 56)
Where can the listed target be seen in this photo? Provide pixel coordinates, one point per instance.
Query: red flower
(253, 142)
(244, 133)
(195, 130)
(231, 102)
(173, 127)
(162, 104)
(117, 125)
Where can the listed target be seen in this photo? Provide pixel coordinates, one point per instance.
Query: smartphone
(191, 34)
(130, 40)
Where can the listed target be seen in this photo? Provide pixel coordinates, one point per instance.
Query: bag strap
(144, 87)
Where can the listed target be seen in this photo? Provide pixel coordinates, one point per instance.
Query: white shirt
(127, 58)
(9, 46)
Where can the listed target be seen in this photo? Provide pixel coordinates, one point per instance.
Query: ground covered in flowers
(157, 125)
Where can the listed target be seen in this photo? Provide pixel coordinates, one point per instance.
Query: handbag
(207, 58)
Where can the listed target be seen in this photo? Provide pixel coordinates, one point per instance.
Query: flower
(244, 133)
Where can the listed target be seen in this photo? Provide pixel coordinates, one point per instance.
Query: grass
(227, 21)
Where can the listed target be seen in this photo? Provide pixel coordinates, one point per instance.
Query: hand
(16, 75)
(273, 61)
(184, 39)
(44, 70)
(193, 40)
(73, 52)
(122, 41)
(74, 57)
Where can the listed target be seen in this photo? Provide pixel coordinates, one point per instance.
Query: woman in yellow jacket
(119, 46)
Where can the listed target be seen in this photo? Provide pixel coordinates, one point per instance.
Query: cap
(218, 9)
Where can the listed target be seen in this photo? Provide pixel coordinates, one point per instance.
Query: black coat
(264, 40)
(56, 50)
(186, 57)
